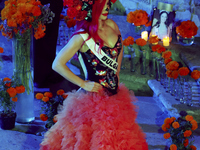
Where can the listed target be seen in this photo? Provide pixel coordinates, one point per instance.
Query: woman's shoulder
(112, 24)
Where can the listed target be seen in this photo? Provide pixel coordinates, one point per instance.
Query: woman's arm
(59, 64)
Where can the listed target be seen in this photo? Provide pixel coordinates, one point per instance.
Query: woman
(160, 27)
(101, 115)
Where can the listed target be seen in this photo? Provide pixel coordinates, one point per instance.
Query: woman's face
(163, 17)
(106, 8)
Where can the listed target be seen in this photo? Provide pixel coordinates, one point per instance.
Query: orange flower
(186, 142)
(39, 31)
(138, 17)
(155, 47)
(173, 118)
(141, 42)
(36, 11)
(168, 121)
(161, 49)
(174, 74)
(165, 127)
(39, 96)
(188, 118)
(167, 135)
(153, 40)
(71, 23)
(166, 54)
(20, 89)
(1, 50)
(60, 92)
(183, 71)
(128, 41)
(187, 29)
(173, 147)
(45, 99)
(187, 133)
(14, 99)
(172, 65)
(55, 119)
(175, 125)
(167, 60)
(43, 117)
(194, 124)
(148, 24)
(11, 91)
(195, 74)
(193, 147)
(48, 94)
(65, 95)
(6, 79)
(169, 73)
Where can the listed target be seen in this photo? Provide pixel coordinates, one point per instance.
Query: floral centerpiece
(179, 131)
(50, 106)
(19, 19)
(139, 19)
(186, 32)
(9, 90)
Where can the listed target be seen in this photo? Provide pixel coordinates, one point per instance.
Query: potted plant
(9, 89)
(50, 106)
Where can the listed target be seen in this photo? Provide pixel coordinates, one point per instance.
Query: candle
(144, 35)
(166, 41)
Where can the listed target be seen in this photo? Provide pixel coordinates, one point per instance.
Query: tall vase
(143, 65)
(22, 49)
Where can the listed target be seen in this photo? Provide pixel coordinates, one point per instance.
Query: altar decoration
(186, 32)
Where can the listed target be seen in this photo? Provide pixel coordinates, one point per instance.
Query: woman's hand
(91, 86)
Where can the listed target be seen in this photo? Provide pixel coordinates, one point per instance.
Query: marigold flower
(14, 99)
(187, 133)
(36, 11)
(141, 42)
(167, 135)
(161, 49)
(175, 125)
(20, 89)
(168, 121)
(55, 119)
(153, 39)
(8, 84)
(165, 127)
(11, 91)
(169, 73)
(194, 124)
(174, 74)
(183, 71)
(71, 23)
(186, 142)
(138, 17)
(166, 54)
(43, 117)
(193, 147)
(172, 65)
(45, 99)
(195, 74)
(39, 96)
(65, 95)
(1, 50)
(6, 79)
(60, 92)
(167, 60)
(189, 118)
(48, 94)
(155, 47)
(173, 118)
(173, 147)
(128, 41)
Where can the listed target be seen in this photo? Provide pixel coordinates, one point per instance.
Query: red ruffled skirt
(96, 121)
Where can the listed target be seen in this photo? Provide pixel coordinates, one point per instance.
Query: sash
(105, 59)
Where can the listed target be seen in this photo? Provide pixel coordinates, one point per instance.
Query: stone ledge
(168, 102)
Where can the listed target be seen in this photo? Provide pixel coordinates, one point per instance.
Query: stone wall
(185, 9)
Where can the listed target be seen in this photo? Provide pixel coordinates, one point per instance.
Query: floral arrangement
(21, 16)
(179, 131)
(50, 105)
(187, 29)
(138, 18)
(9, 89)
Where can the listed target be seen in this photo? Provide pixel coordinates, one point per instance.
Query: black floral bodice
(99, 72)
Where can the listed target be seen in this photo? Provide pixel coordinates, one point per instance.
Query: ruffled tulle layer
(91, 121)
